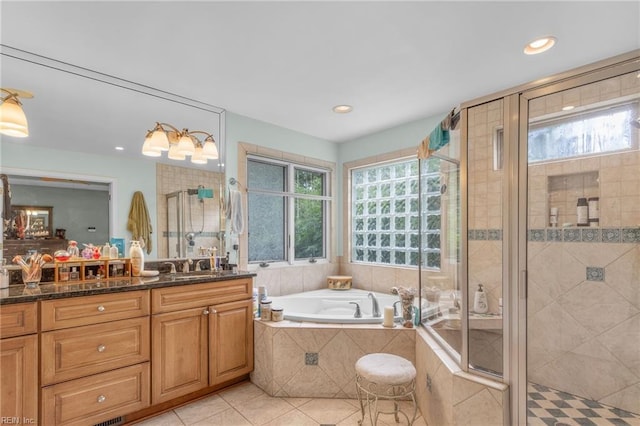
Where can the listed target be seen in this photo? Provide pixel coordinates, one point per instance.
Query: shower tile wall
(584, 292)
(485, 203)
(173, 178)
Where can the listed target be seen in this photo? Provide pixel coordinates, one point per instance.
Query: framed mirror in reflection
(30, 222)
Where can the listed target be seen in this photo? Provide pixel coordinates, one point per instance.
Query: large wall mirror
(77, 120)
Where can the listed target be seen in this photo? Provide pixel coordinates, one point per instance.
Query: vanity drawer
(18, 319)
(94, 399)
(188, 296)
(78, 311)
(77, 352)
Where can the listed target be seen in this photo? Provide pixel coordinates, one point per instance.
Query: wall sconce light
(180, 144)
(13, 122)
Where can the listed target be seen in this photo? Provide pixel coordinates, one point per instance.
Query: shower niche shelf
(564, 190)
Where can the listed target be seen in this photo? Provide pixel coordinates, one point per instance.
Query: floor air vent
(112, 422)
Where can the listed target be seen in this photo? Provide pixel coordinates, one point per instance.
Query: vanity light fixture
(180, 144)
(540, 45)
(342, 109)
(13, 121)
(568, 108)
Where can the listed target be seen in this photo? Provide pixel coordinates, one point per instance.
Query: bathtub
(332, 306)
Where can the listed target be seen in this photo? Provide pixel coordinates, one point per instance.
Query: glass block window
(287, 211)
(385, 214)
(431, 212)
(602, 130)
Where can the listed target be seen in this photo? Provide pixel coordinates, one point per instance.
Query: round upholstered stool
(385, 377)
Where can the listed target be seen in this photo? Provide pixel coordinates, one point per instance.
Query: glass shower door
(175, 231)
(583, 254)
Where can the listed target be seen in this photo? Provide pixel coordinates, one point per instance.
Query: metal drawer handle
(102, 399)
(102, 348)
(205, 312)
(101, 308)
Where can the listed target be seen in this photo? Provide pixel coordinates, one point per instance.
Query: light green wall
(244, 129)
(406, 135)
(132, 175)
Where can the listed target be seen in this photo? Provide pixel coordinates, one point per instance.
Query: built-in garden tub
(334, 306)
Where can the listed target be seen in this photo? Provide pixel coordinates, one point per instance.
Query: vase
(31, 278)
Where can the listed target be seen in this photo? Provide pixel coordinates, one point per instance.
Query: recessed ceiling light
(342, 109)
(540, 45)
(119, 148)
(568, 108)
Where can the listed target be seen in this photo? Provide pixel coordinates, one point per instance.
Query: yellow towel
(139, 223)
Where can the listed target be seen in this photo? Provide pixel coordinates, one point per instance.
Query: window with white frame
(288, 210)
(385, 215)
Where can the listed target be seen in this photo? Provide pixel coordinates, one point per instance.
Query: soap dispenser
(480, 305)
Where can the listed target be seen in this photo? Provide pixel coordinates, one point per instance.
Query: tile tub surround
(282, 352)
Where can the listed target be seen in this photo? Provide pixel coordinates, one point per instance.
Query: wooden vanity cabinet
(202, 336)
(19, 363)
(95, 357)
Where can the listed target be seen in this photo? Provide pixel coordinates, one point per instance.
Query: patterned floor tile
(550, 407)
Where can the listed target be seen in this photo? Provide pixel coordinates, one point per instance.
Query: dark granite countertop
(45, 291)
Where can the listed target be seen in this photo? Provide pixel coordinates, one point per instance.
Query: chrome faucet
(173, 267)
(186, 265)
(357, 314)
(395, 308)
(199, 265)
(375, 308)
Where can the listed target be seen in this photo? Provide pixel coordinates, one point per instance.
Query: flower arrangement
(407, 295)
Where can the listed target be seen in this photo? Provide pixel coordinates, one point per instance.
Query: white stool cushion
(385, 369)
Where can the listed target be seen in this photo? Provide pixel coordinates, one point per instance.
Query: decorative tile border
(485, 234)
(583, 235)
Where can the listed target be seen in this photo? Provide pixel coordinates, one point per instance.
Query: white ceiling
(289, 63)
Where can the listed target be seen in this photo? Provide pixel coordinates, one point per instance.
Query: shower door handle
(524, 287)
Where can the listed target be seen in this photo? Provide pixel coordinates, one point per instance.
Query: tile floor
(246, 404)
(550, 407)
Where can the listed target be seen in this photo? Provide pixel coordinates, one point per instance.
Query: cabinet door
(19, 379)
(230, 340)
(179, 353)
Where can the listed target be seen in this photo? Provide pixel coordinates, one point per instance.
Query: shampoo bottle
(480, 305)
(137, 258)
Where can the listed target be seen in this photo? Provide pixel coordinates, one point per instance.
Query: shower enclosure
(192, 224)
(563, 320)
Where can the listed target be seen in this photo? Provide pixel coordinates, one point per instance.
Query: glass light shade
(210, 151)
(159, 140)
(174, 154)
(13, 122)
(149, 150)
(185, 145)
(197, 157)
